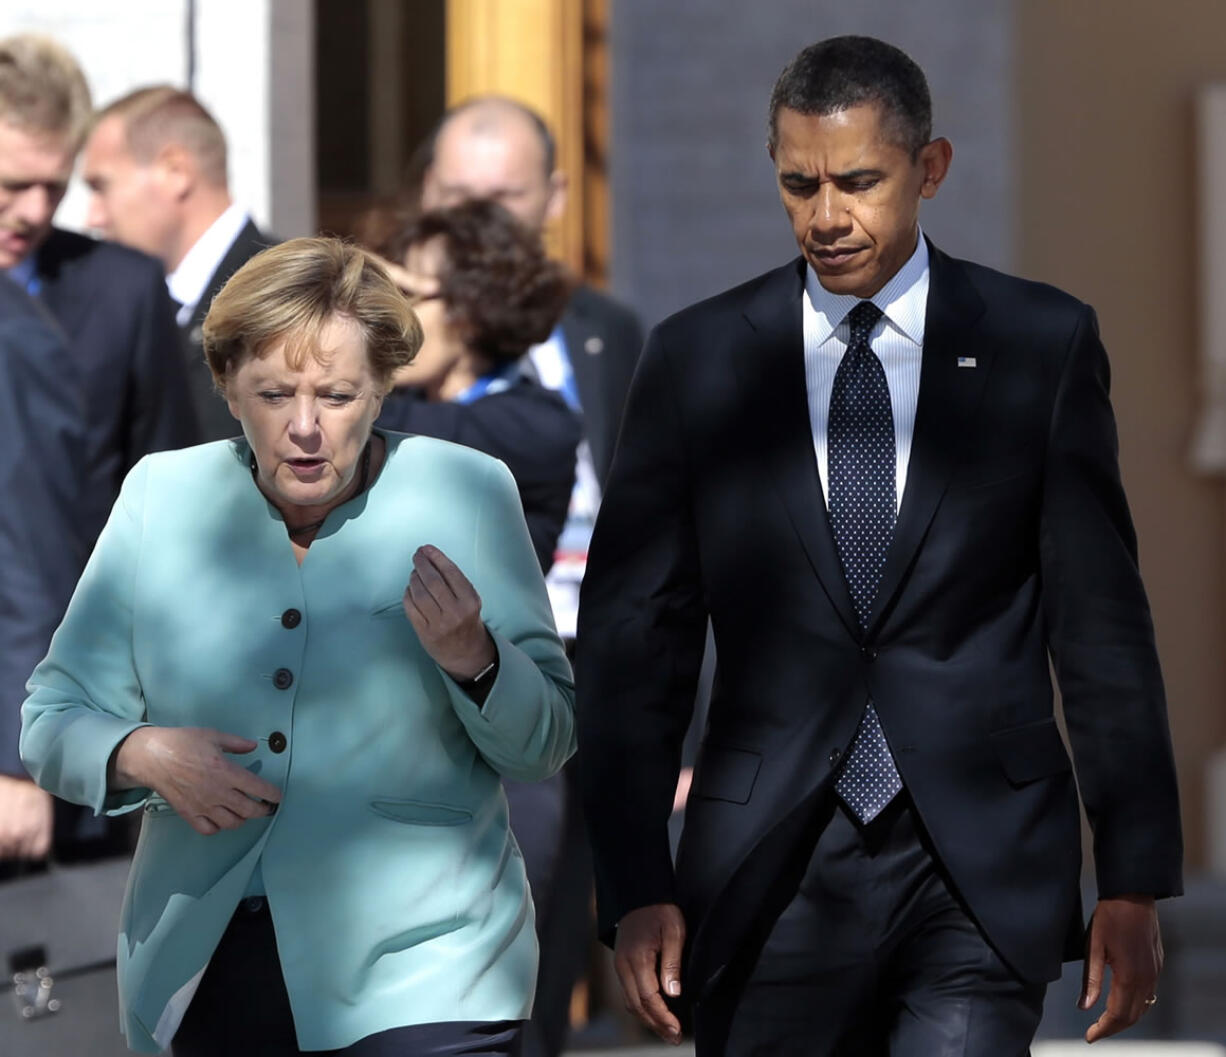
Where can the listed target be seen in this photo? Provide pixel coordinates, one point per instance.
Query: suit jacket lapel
(585, 350)
(771, 369)
(53, 260)
(248, 243)
(949, 398)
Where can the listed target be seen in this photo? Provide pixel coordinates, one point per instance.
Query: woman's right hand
(188, 767)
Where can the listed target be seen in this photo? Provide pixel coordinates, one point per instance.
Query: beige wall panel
(1107, 210)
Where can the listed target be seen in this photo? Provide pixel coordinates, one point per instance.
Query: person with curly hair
(485, 293)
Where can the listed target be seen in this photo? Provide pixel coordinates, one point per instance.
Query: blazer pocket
(1031, 751)
(725, 773)
(421, 813)
(389, 609)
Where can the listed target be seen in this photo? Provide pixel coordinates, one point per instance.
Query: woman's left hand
(445, 611)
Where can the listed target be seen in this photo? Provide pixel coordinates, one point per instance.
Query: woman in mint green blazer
(309, 654)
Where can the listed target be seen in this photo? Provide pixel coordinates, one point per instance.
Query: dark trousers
(538, 820)
(875, 955)
(567, 931)
(242, 1008)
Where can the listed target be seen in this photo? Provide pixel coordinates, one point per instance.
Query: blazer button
(835, 756)
(276, 741)
(291, 618)
(869, 653)
(283, 679)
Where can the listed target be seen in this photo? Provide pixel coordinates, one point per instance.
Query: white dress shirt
(897, 341)
(188, 282)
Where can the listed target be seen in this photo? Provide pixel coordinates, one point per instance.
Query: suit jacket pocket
(421, 812)
(1031, 751)
(394, 608)
(725, 773)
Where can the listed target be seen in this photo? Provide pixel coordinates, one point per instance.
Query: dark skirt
(242, 1007)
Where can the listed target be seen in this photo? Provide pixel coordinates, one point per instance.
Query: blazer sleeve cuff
(525, 728)
(75, 764)
(1158, 877)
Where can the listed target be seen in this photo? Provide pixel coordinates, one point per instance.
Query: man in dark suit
(498, 148)
(890, 479)
(122, 371)
(41, 547)
(156, 164)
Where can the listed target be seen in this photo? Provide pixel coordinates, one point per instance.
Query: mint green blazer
(396, 889)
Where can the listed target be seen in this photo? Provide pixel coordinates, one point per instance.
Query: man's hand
(684, 780)
(1124, 935)
(188, 767)
(647, 958)
(445, 611)
(26, 816)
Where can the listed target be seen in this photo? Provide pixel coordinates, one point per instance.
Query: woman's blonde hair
(290, 293)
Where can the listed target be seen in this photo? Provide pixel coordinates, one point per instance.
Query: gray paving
(637, 1051)
(1049, 1048)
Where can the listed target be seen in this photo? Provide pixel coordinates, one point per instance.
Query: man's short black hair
(842, 72)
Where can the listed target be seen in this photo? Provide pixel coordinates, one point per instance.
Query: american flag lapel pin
(967, 361)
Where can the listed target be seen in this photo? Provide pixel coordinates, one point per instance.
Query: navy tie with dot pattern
(863, 507)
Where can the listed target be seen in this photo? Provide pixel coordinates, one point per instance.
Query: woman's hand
(188, 767)
(445, 611)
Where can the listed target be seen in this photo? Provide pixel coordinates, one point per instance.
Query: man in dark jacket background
(112, 339)
(156, 162)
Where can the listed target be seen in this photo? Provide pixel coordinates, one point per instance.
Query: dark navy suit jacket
(1014, 545)
(42, 550)
(112, 304)
(603, 341)
(212, 412)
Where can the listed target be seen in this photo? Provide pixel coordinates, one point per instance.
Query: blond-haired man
(111, 306)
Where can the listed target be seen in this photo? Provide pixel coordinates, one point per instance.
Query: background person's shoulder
(410, 454)
(1002, 287)
(588, 301)
(69, 253)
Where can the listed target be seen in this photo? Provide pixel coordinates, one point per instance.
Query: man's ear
(559, 187)
(176, 170)
(935, 158)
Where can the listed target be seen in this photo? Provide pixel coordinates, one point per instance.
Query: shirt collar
(23, 273)
(499, 380)
(188, 282)
(903, 300)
